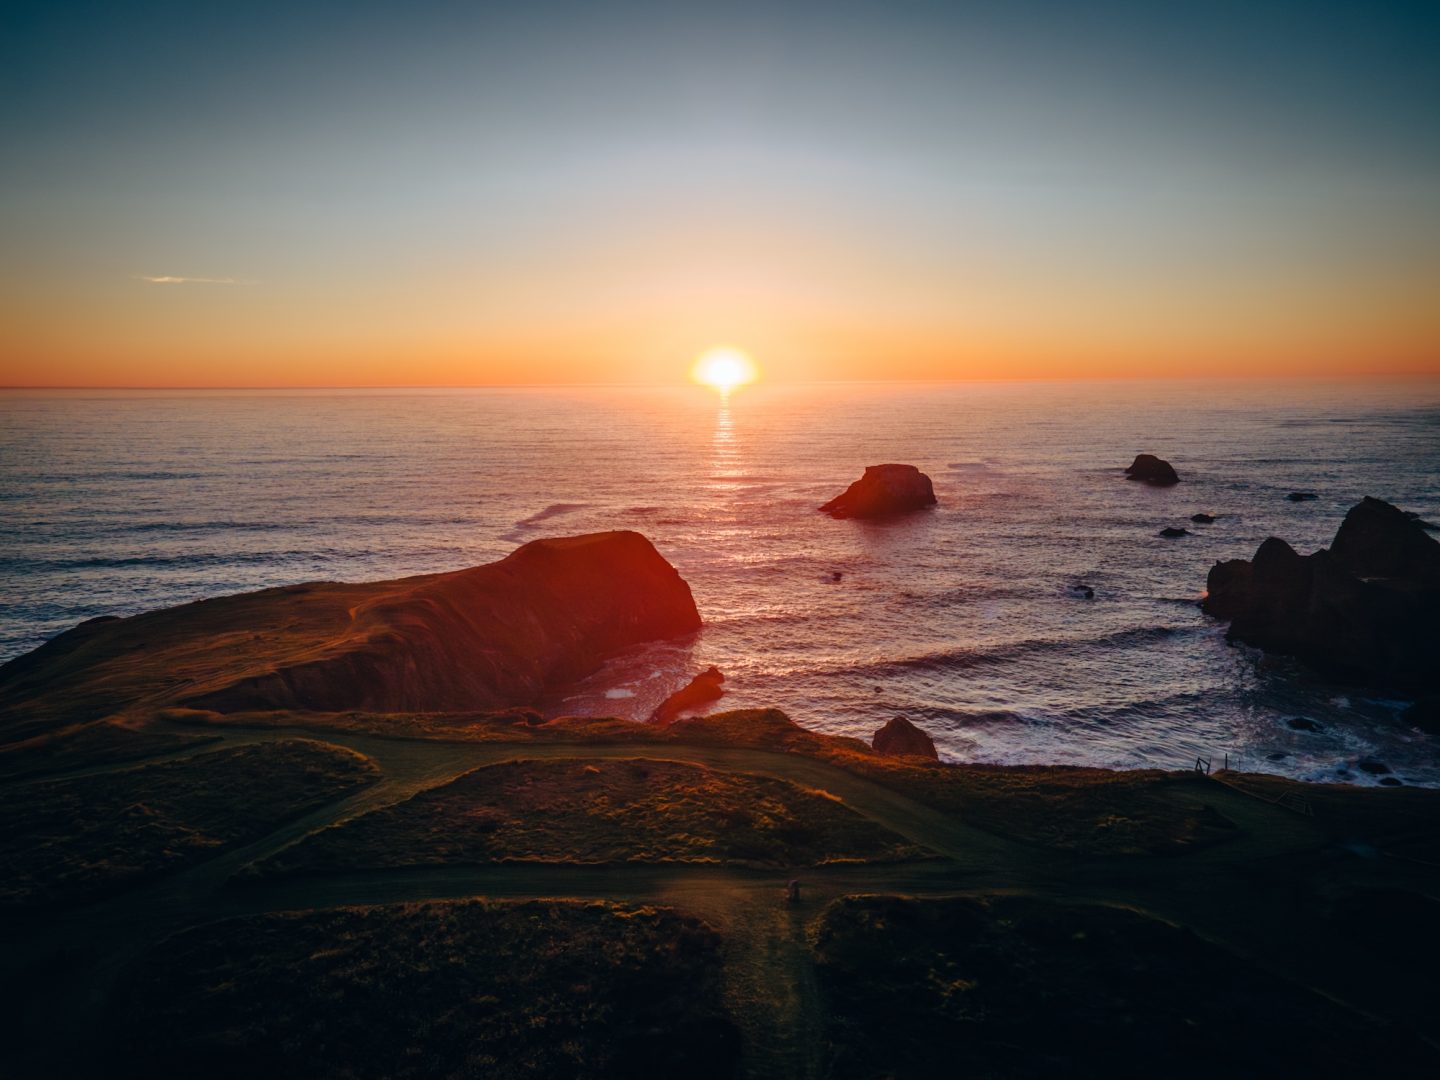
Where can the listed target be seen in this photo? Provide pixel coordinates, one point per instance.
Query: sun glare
(724, 368)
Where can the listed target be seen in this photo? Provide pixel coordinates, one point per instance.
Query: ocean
(962, 619)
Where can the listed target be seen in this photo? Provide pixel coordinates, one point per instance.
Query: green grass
(601, 811)
(464, 988)
(74, 839)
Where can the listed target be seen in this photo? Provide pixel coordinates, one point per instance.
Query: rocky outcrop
(493, 636)
(1152, 470)
(884, 491)
(1366, 608)
(701, 690)
(900, 738)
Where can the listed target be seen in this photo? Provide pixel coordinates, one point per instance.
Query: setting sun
(724, 368)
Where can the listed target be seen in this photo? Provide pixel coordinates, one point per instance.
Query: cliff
(491, 636)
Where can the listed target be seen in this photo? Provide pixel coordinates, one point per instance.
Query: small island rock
(884, 491)
(1203, 519)
(900, 738)
(1302, 496)
(1152, 470)
(1170, 532)
(701, 690)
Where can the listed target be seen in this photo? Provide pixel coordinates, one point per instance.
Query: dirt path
(770, 983)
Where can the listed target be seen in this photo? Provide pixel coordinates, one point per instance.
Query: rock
(836, 575)
(1203, 519)
(900, 738)
(884, 491)
(490, 637)
(1152, 470)
(1373, 767)
(1082, 592)
(1302, 496)
(1171, 533)
(1367, 609)
(701, 690)
(1302, 723)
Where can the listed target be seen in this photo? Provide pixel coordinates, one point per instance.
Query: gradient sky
(434, 194)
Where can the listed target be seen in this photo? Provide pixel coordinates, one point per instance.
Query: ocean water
(961, 618)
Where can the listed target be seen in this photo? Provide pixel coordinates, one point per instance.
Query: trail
(1221, 892)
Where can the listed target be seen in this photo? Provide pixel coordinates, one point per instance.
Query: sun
(724, 368)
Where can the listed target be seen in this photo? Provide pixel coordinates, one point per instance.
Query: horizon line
(1259, 377)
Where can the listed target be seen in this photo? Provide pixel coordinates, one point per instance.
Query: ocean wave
(961, 659)
(518, 531)
(200, 560)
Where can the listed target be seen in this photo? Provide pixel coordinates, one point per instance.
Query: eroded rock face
(701, 690)
(1368, 607)
(489, 637)
(1152, 470)
(900, 738)
(884, 491)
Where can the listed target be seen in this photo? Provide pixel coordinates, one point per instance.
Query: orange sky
(477, 197)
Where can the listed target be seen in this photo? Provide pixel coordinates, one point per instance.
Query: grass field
(601, 811)
(68, 840)
(467, 988)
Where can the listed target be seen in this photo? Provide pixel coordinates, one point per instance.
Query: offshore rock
(884, 491)
(1368, 608)
(1152, 470)
(489, 637)
(701, 690)
(900, 738)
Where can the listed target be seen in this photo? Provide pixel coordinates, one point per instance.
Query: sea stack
(1367, 608)
(884, 491)
(900, 738)
(1152, 470)
(701, 690)
(493, 636)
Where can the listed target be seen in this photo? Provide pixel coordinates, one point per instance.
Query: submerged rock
(1171, 533)
(701, 690)
(1203, 519)
(900, 738)
(1367, 608)
(1083, 592)
(1302, 496)
(884, 491)
(1152, 470)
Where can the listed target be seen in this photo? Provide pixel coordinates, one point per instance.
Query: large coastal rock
(1152, 470)
(1366, 608)
(884, 491)
(900, 738)
(701, 690)
(488, 637)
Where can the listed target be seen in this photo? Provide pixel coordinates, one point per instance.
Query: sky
(356, 193)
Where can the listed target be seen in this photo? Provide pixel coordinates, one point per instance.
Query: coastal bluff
(491, 636)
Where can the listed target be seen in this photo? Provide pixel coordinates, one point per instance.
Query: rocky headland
(488, 637)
